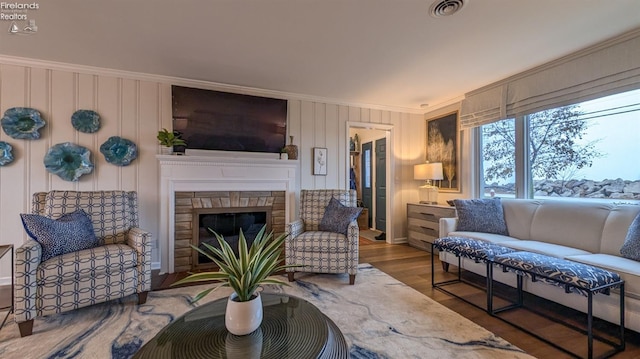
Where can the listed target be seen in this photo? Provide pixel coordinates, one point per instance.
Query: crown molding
(141, 76)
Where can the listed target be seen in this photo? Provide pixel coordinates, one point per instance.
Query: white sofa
(585, 232)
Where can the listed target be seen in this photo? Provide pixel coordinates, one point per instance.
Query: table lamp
(428, 172)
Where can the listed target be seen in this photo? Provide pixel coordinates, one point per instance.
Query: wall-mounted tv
(213, 120)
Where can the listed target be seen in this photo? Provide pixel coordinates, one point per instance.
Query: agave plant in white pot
(244, 274)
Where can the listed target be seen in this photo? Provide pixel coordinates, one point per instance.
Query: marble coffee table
(291, 328)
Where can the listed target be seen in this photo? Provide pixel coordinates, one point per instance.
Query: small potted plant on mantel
(244, 274)
(168, 140)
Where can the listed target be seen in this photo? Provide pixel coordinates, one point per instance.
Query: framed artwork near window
(319, 161)
(443, 145)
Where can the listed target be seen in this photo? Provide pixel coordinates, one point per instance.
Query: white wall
(136, 106)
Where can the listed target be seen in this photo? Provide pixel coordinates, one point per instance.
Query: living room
(49, 70)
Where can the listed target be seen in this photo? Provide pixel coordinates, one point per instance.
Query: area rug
(379, 316)
(370, 234)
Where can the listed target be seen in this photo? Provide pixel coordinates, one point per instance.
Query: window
(582, 151)
(499, 158)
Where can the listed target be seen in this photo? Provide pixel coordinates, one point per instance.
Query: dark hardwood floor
(413, 267)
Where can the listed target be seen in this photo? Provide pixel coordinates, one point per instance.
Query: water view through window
(587, 150)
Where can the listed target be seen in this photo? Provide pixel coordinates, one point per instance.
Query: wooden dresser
(423, 223)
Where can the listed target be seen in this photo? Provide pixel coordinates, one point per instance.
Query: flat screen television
(223, 121)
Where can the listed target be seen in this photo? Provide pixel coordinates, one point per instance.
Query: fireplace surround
(192, 206)
(239, 178)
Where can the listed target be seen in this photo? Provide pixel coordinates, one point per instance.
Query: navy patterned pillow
(631, 247)
(69, 233)
(338, 216)
(481, 215)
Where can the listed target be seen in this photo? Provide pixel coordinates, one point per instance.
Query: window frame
(524, 188)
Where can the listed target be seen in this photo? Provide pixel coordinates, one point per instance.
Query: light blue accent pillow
(69, 233)
(631, 247)
(481, 215)
(338, 216)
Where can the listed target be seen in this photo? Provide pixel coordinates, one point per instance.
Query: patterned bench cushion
(561, 272)
(470, 248)
(318, 241)
(87, 263)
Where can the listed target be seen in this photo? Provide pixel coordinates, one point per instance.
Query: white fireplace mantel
(218, 173)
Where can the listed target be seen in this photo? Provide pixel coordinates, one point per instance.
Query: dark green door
(381, 184)
(367, 189)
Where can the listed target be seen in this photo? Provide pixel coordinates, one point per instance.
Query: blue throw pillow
(338, 216)
(481, 215)
(631, 247)
(69, 233)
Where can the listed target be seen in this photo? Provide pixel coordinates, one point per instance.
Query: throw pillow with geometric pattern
(481, 215)
(69, 233)
(338, 216)
(631, 247)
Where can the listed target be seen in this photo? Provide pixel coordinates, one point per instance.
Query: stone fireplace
(190, 207)
(220, 181)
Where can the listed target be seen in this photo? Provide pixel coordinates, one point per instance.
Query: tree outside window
(578, 151)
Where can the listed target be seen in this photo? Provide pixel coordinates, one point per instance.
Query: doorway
(371, 160)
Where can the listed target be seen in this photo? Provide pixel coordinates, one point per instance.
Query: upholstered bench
(574, 277)
(470, 248)
(479, 251)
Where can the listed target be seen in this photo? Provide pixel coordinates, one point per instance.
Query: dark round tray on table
(291, 328)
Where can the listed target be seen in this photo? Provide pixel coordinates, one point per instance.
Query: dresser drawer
(423, 223)
(429, 213)
(423, 226)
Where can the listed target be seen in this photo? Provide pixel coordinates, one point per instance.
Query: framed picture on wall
(443, 145)
(319, 161)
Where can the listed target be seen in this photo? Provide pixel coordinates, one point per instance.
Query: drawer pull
(428, 229)
(427, 214)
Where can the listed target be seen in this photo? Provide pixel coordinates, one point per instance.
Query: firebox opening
(227, 222)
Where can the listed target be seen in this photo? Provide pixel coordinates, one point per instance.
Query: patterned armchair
(318, 251)
(118, 267)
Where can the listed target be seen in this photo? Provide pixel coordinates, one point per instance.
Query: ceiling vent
(442, 8)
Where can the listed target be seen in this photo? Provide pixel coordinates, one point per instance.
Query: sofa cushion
(550, 249)
(69, 233)
(481, 215)
(631, 247)
(338, 216)
(88, 263)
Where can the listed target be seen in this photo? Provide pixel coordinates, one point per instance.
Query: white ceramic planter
(166, 150)
(242, 318)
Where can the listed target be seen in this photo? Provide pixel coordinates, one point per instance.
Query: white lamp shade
(428, 171)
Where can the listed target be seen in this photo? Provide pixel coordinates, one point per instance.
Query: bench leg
(290, 276)
(445, 266)
(590, 325)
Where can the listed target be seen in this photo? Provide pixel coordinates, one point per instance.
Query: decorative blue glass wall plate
(69, 161)
(119, 151)
(86, 121)
(22, 123)
(5, 153)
